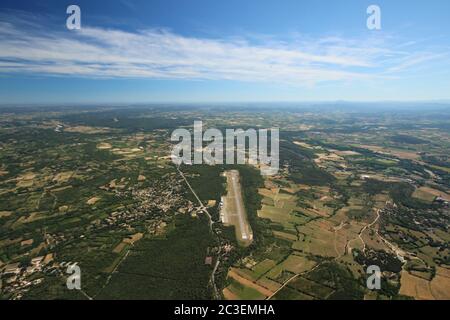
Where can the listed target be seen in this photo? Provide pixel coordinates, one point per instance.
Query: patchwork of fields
(96, 187)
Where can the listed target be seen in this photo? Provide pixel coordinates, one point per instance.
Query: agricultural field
(341, 198)
(96, 187)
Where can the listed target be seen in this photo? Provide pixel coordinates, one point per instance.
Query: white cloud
(161, 54)
(415, 59)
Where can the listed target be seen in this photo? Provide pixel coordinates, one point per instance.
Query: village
(153, 207)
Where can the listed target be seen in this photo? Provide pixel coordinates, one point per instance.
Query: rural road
(368, 226)
(348, 248)
(340, 255)
(211, 222)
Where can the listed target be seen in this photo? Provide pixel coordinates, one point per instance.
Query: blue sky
(207, 51)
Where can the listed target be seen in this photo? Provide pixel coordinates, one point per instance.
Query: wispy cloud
(161, 54)
(416, 59)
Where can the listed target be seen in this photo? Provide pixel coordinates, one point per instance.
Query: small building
(32, 269)
(441, 200)
(12, 268)
(28, 242)
(48, 258)
(211, 203)
(208, 260)
(37, 261)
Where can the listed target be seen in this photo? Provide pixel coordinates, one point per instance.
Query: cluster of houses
(17, 278)
(59, 128)
(165, 196)
(442, 201)
(156, 200)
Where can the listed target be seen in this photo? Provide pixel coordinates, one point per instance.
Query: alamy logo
(374, 280)
(73, 22)
(74, 280)
(257, 153)
(374, 20)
